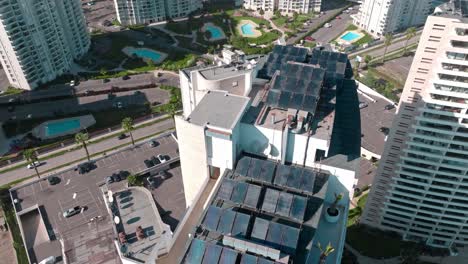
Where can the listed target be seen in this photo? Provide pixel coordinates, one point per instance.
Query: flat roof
(224, 71)
(219, 109)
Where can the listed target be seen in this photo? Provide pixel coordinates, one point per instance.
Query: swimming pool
(350, 36)
(61, 127)
(146, 54)
(248, 29)
(215, 32)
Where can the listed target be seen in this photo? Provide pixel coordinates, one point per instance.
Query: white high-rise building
(285, 6)
(382, 16)
(421, 187)
(132, 12)
(40, 39)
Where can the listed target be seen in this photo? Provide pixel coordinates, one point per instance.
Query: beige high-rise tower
(421, 187)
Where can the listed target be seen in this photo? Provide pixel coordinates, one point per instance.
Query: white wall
(254, 139)
(221, 153)
(193, 158)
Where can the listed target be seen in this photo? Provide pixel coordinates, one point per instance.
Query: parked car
(122, 136)
(123, 174)
(155, 160)
(384, 130)
(86, 167)
(338, 17)
(148, 163)
(151, 182)
(116, 177)
(34, 164)
(72, 211)
(105, 80)
(162, 158)
(163, 174)
(11, 108)
(48, 260)
(125, 77)
(389, 107)
(327, 25)
(53, 180)
(122, 237)
(110, 179)
(363, 105)
(153, 143)
(72, 83)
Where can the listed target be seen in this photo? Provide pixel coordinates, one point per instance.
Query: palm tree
(81, 138)
(388, 42)
(325, 252)
(410, 33)
(31, 157)
(368, 59)
(127, 126)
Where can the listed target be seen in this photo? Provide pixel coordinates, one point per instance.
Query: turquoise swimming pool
(248, 29)
(350, 36)
(215, 32)
(146, 54)
(61, 127)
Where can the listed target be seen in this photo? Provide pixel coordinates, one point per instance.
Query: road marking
(74, 195)
(68, 182)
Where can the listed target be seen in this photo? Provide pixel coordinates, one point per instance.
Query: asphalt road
(23, 172)
(326, 35)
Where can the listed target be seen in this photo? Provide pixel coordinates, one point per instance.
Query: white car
(162, 158)
(72, 83)
(49, 260)
(119, 105)
(327, 25)
(34, 164)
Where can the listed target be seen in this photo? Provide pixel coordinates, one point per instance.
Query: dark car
(389, 107)
(384, 130)
(110, 179)
(11, 108)
(155, 160)
(124, 174)
(125, 77)
(105, 80)
(53, 180)
(148, 163)
(116, 177)
(86, 167)
(122, 136)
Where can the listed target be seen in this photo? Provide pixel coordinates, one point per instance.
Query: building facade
(131, 12)
(421, 186)
(284, 6)
(379, 17)
(39, 40)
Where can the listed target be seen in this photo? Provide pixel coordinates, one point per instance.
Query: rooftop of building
(453, 9)
(225, 71)
(264, 212)
(219, 109)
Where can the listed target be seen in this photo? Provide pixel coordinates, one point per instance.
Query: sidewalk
(73, 157)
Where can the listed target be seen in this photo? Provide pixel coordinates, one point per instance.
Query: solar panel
(248, 259)
(296, 101)
(226, 221)
(308, 178)
(265, 261)
(195, 255)
(310, 104)
(239, 192)
(284, 99)
(253, 193)
(294, 179)
(212, 218)
(241, 224)
(298, 207)
(270, 200)
(289, 239)
(274, 235)
(228, 256)
(282, 174)
(260, 229)
(255, 168)
(273, 98)
(284, 204)
(243, 166)
(212, 253)
(225, 191)
(266, 174)
(320, 180)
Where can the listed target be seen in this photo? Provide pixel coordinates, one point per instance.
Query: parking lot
(88, 236)
(99, 11)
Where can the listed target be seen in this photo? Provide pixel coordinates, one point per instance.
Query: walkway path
(78, 154)
(378, 50)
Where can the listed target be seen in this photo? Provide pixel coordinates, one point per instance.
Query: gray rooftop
(456, 9)
(219, 109)
(224, 71)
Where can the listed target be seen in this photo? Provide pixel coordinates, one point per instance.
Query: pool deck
(127, 52)
(205, 28)
(257, 33)
(342, 41)
(85, 122)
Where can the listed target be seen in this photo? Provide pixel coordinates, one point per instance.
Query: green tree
(82, 138)
(409, 34)
(387, 42)
(31, 156)
(133, 180)
(262, 12)
(208, 34)
(127, 126)
(324, 253)
(150, 63)
(103, 71)
(368, 59)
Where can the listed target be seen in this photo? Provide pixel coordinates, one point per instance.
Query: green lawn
(12, 90)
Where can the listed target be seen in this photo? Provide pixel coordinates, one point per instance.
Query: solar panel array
(240, 193)
(298, 87)
(281, 55)
(334, 64)
(284, 204)
(301, 179)
(226, 221)
(276, 235)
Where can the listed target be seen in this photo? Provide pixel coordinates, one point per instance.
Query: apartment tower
(133, 12)
(285, 6)
(421, 186)
(39, 39)
(379, 17)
